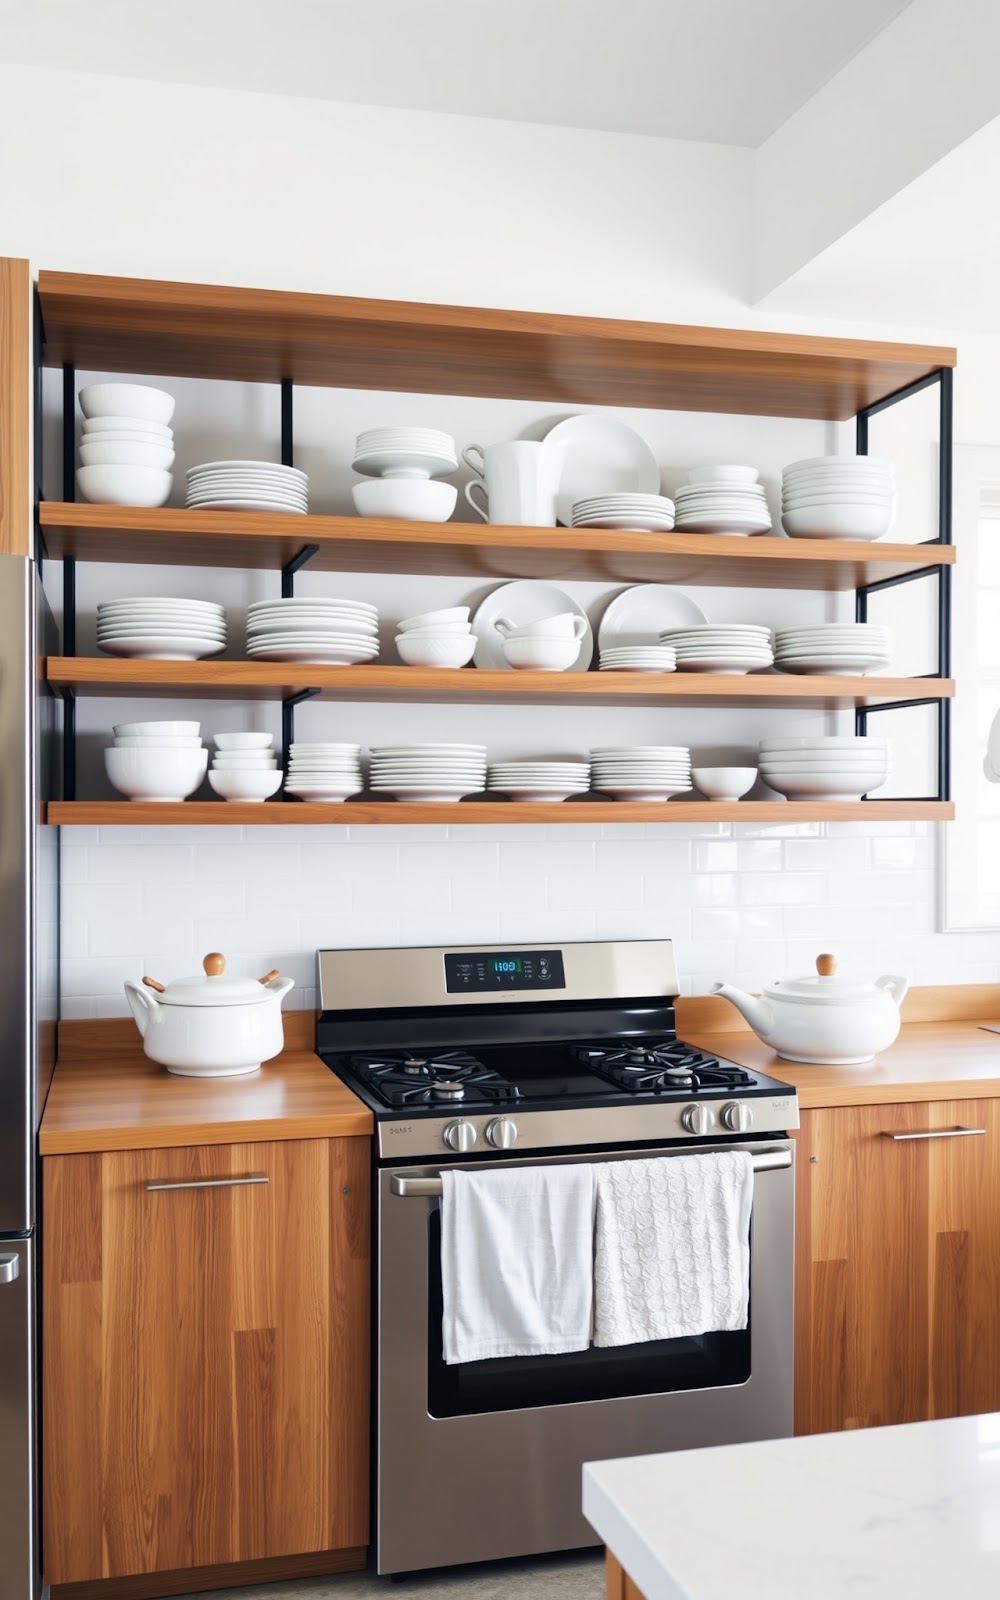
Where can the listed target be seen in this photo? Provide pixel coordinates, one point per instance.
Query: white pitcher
(518, 481)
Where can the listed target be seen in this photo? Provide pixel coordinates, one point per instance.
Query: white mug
(521, 480)
(566, 626)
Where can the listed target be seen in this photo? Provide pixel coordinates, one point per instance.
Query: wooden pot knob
(826, 966)
(214, 964)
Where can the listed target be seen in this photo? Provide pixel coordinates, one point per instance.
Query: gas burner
(438, 1078)
(661, 1067)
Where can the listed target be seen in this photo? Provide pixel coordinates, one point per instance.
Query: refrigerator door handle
(10, 1268)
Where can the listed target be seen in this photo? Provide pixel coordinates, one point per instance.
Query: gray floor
(555, 1578)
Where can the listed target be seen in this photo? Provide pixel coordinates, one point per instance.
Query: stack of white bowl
(722, 500)
(840, 649)
(726, 647)
(824, 767)
(428, 772)
(838, 497)
(160, 761)
(324, 772)
(402, 464)
(244, 767)
(552, 644)
(642, 771)
(638, 658)
(154, 629)
(127, 446)
(246, 486)
(335, 633)
(437, 638)
(640, 513)
(530, 780)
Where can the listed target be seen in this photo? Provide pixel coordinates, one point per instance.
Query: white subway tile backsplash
(826, 855)
(714, 888)
(783, 888)
(715, 855)
(760, 855)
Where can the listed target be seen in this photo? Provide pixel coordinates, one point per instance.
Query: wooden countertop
(942, 1052)
(107, 1095)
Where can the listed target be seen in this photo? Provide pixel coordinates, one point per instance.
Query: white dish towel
(672, 1246)
(517, 1261)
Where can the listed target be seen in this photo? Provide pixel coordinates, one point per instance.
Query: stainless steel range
(513, 1056)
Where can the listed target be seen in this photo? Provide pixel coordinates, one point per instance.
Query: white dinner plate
(523, 602)
(168, 647)
(318, 654)
(630, 522)
(308, 603)
(243, 505)
(638, 616)
(600, 456)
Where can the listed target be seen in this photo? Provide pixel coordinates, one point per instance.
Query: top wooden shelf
(262, 336)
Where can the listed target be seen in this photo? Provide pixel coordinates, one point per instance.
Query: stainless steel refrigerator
(29, 943)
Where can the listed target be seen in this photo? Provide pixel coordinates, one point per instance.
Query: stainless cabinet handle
(933, 1133)
(429, 1188)
(10, 1268)
(155, 1184)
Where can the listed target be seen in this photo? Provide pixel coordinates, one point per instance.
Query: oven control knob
(502, 1133)
(460, 1135)
(737, 1118)
(698, 1119)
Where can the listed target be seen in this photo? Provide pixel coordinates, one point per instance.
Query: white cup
(566, 626)
(518, 481)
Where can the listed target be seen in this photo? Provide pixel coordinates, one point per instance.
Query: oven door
(482, 1460)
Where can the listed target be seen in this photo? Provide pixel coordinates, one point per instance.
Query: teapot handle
(894, 985)
(279, 986)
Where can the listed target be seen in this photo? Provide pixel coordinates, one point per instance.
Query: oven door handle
(431, 1188)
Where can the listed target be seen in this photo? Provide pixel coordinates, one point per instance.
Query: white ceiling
(726, 71)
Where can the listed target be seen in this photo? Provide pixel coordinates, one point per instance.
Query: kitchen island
(911, 1510)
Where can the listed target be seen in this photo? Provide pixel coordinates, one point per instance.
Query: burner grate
(662, 1067)
(434, 1078)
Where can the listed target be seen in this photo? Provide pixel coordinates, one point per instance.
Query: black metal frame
(943, 377)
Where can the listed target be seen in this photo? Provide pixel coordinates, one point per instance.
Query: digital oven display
(479, 972)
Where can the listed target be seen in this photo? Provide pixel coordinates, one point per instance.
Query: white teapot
(825, 1019)
(211, 1026)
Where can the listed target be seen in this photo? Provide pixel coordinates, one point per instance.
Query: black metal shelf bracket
(287, 418)
(288, 727)
(296, 564)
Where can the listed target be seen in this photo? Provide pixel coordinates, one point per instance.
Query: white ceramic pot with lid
(210, 1026)
(825, 1019)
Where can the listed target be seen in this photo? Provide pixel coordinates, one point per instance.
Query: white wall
(291, 193)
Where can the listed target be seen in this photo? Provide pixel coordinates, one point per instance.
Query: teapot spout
(758, 1013)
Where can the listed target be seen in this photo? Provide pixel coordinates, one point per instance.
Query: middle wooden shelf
(263, 680)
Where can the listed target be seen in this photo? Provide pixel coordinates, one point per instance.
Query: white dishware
(446, 617)
(723, 475)
(124, 730)
(404, 453)
(641, 513)
(649, 658)
(518, 481)
(244, 741)
(245, 758)
(639, 615)
(164, 741)
(127, 455)
(408, 438)
(127, 400)
(641, 772)
(567, 626)
(407, 499)
(210, 608)
(825, 1019)
(523, 603)
(600, 455)
(826, 741)
(536, 654)
(840, 464)
(435, 649)
(247, 485)
(252, 786)
(156, 774)
(161, 647)
(724, 783)
(142, 427)
(124, 486)
(211, 1026)
(838, 522)
(322, 654)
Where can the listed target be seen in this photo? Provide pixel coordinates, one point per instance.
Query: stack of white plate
(404, 453)
(840, 649)
(428, 772)
(824, 767)
(539, 780)
(154, 629)
(244, 767)
(247, 486)
(730, 648)
(336, 633)
(324, 772)
(127, 445)
(639, 658)
(641, 513)
(641, 771)
(732, 505)
(838, 497)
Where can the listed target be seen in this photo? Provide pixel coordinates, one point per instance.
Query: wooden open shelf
(262, 680)
(198, 813)
(263, 336)
(172, 536)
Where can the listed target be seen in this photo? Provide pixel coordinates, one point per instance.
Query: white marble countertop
(908, 1512)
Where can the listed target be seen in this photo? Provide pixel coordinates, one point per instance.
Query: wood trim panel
(197, 1580)
(15, 407)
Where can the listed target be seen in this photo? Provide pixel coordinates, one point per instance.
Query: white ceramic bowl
(448, 617)
(838, 522)
(724, 783)
(723, 475)
(162, 775)
(805, 498)
(132, 730)
(821, 741)
(154, 432)
(124, 486)
(161, 741)
(436, 649)
(125, 454)
(127, 400)
(541, 655)
(451, 630)
(822, 786)
(243, 741)
(251, 786)
(567, 626)
(248, 759)
(410, 499)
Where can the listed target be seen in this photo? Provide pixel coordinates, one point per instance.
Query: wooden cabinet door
(205, 1356)
(897, 1264)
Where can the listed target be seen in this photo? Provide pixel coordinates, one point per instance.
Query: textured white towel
(517, 1261)
(672, 1246)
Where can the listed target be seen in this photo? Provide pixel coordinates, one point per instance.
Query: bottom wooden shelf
(196, 813)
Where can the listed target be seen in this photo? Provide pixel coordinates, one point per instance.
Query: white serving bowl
(448, 617)
(124, 486)
(124, 454)
(410, 499)
(162, 741)
(724, 783)
(820, 786)
(436, 649)
(161, 775)
(127, 400)
(838, 522)
(541, 655)
(245, 759)
(243, 741)
(133, 730)
(723, 475)
(245, 785)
